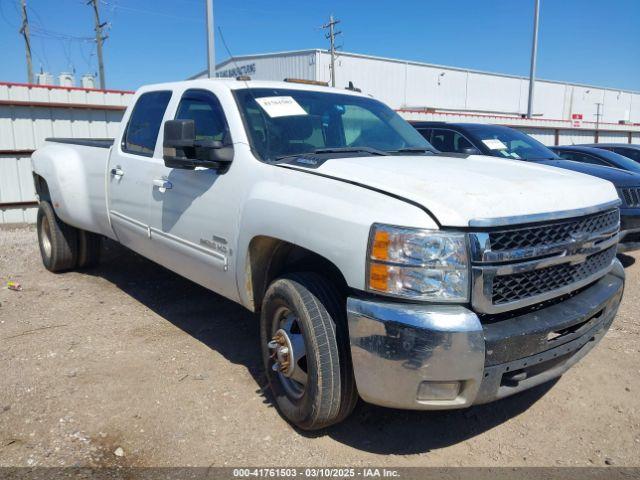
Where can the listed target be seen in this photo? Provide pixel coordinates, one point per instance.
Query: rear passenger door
(130, 171)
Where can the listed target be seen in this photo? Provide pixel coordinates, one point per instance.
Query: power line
(5, 18)
(148, 12)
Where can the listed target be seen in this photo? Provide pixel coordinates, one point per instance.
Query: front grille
(553, 233)
(630, 196)
(518, 286)
(521, 266)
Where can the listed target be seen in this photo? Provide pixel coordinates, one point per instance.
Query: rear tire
(58, 241)
(305, 312)
(89, 249)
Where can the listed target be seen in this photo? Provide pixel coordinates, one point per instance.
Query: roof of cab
(233, 84)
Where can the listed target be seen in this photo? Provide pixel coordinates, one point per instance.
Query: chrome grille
(630, 196)
(514, 267)
(557, 232)
(509, 288)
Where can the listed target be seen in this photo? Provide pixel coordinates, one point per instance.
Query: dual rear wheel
(62, 246)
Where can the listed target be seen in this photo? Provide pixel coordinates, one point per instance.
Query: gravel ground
(128, 364)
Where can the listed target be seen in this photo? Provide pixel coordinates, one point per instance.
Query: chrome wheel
(288, 353)
(45, 236)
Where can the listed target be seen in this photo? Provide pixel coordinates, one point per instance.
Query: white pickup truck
(379, 267)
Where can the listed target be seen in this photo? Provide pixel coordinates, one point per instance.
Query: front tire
(305, 350)
(58, 241)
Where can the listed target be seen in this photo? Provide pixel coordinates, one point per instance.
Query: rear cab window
(144, 124)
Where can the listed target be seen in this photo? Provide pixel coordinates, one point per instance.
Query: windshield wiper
(372, 151)
(414, 149)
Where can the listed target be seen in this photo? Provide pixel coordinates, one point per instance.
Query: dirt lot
(129, 364)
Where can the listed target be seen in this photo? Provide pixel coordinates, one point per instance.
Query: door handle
(162, 184)
(117, 172)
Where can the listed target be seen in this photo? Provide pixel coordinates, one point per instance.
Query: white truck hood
(460, 190)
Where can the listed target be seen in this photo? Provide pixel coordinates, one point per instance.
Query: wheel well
(270, 258)
(42, 189)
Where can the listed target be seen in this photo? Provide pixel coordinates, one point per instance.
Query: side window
(426, 133)
(567, 155)
(449, 141)
(629, 153)
(205, 110)
(583, 157)
(144, 124)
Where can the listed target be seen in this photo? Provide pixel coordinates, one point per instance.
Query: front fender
(328, 217)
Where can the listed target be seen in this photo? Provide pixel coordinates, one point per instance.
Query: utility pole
(99, 39)
(331, 36)
(598, 115)
(211, 52)
(534, 55)
(24, 30)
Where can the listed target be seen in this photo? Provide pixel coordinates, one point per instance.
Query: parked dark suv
(469, 139)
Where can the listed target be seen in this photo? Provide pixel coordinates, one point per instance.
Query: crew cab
(378, 269)
(511, 144)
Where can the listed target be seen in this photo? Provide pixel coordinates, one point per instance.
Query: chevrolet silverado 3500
(379, 268)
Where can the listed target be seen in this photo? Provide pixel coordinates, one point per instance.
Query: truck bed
(87, 142)
(76, 169)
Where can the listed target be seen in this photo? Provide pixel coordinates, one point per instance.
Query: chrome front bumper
(401, 350)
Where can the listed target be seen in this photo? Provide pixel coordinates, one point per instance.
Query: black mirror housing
(182, 150)
(179, 133)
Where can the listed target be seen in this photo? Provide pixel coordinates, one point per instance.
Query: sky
(593, 42)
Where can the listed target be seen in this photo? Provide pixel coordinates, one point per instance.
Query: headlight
(418, 264)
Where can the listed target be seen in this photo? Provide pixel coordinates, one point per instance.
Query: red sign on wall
(576, 120)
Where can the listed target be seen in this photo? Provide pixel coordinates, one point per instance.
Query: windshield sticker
(515, 155)
(494, 144)
(280, 106)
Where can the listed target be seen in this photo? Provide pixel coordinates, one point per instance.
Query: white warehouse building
(563, 112)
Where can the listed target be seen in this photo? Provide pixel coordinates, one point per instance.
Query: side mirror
(182, 150)
(471, 151)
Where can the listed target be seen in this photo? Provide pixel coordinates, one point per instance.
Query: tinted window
(582, 157)
(205, 110)
(449, 141)
(426, 133)
(510, 143)
(144, 124)
(629, 153)
(315, 120)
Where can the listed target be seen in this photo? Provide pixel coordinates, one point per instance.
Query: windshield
(509, 143)
(283, 122)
